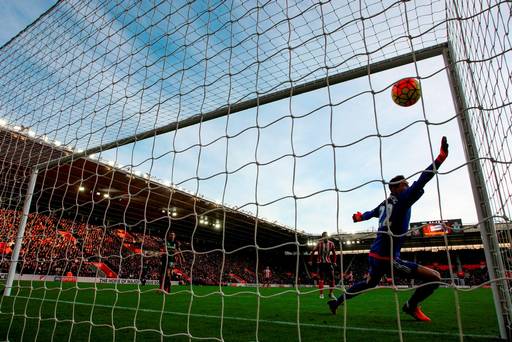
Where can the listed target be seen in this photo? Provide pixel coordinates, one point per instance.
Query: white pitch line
(313, 325)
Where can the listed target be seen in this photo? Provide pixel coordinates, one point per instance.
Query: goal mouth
(222, 170)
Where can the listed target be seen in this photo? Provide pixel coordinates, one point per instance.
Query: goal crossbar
(418, 55)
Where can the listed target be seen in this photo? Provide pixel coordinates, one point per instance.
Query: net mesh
(482, 46)
(129, 67)
(139, 83)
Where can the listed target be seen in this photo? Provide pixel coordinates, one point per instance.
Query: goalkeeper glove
(443, 153)
(357, 217)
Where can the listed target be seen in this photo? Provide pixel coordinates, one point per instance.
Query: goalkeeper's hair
(395, 181)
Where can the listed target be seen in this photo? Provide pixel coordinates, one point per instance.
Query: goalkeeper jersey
(395, 213)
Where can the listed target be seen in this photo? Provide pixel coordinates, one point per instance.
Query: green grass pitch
(87, 312)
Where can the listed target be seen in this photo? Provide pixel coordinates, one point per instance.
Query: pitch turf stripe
(312, 325)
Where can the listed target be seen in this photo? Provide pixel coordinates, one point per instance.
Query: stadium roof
(105, 195)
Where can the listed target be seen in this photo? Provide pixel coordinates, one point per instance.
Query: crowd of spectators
(55, 245)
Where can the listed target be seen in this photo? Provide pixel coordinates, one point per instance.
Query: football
(406, 92)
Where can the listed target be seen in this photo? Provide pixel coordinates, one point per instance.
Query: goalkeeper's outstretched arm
(358, 217)
(428, 173)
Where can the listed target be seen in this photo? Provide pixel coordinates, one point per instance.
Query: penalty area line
(312, 325)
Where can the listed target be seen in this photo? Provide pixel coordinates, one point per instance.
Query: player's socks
(421, 293)
(333, 306)
(353, 291)
(331, 289)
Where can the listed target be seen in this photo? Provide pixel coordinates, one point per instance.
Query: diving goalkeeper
(394, 215)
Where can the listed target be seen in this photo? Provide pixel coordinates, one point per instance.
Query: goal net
(167, 168)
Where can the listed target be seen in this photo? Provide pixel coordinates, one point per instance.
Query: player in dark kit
(171, 254)
(326, 260)
(394, 215)
(144, 274)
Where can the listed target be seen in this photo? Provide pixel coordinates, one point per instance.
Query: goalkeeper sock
(354, 290)
(421, 293)
(332, 286)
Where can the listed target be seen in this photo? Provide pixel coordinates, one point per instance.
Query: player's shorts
(166, 264)
(382, 265)
(167, 260)
(325, 268)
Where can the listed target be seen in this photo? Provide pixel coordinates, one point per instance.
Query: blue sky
(16, 15)
(306, 147)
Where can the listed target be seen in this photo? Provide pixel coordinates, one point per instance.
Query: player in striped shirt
(267, 277)
(394, 215)
(326, 261)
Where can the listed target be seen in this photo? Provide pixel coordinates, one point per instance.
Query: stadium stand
(56, 246)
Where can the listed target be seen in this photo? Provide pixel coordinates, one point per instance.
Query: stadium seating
(56, 246)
